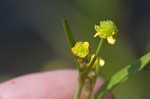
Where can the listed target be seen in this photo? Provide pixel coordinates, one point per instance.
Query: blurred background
(32, 38)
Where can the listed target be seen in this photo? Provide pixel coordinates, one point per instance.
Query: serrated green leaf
(68, 32)
(122, 76)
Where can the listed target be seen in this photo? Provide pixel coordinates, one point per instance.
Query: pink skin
(60, 84)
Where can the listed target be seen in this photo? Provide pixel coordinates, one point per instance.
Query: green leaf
(122, 76)
(71, 39)
(68, 32)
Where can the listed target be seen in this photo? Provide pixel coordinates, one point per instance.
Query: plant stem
(88, 96)
(79, 88)
(94, 59)
(89, 85)
(78, 91)
(99, 47)
(80, 82)
(97, 51)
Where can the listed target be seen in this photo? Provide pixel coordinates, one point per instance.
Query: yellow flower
(111, 40)
(81, 49)
(106, 30)
(100, 62)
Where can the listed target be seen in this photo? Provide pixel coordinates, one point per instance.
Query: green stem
(94, 59)
(78, 91)
(89, 87)
(99, 47)
(80, 84)
(97, 51)
(79, 88)
(88, 96)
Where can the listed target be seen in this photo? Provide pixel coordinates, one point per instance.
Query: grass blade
(68, 32)
(122, 75)
(70, 38)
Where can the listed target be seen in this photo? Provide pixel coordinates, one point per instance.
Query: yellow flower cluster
(81, 49)
(106, 30)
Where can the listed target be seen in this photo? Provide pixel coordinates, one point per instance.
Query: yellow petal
(111, 40)
(91, 60)
(96, 35)
(113, 33)
(101, 62)
(96, 27)
(86, 44)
